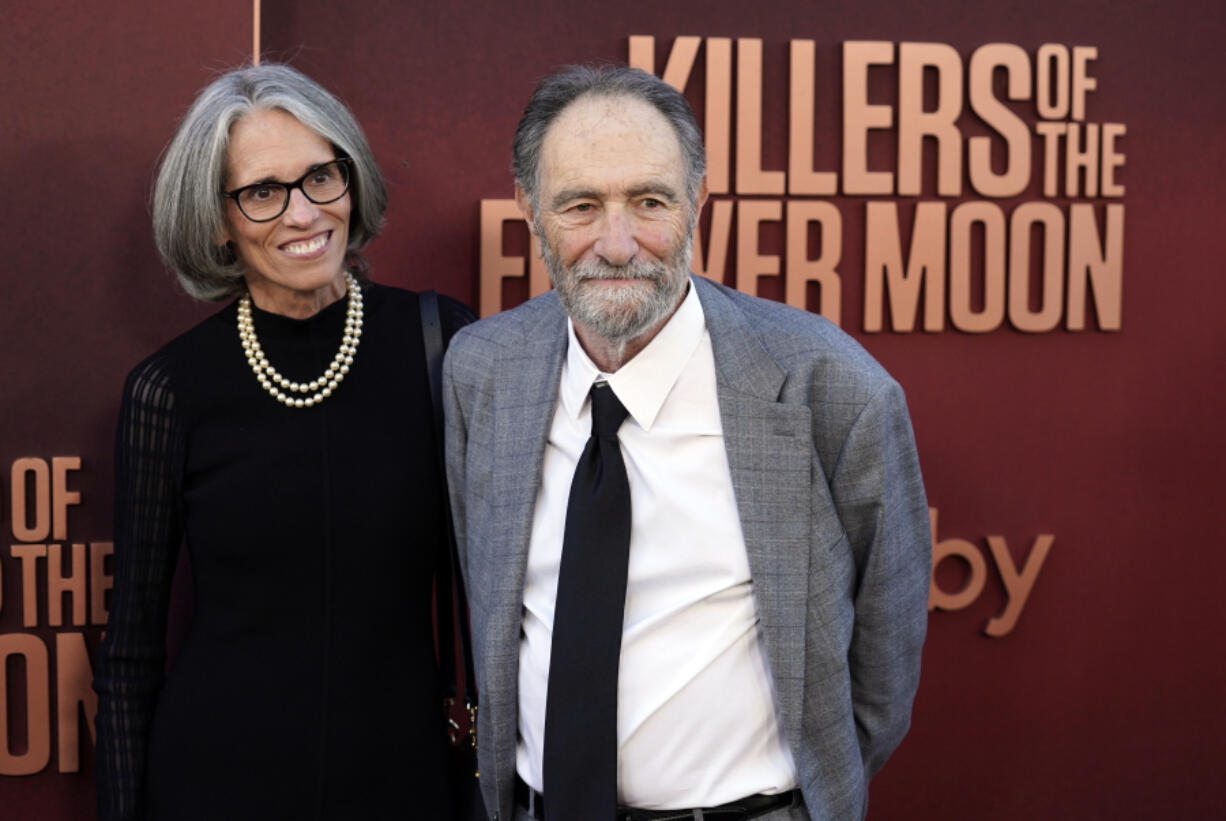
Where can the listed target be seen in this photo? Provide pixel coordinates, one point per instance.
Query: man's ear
(524, 203)
(703, 191)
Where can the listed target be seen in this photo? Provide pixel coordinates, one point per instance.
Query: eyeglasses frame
(340, 162)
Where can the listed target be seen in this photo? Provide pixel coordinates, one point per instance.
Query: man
(730, 483)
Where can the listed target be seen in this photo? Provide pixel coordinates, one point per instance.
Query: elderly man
(691, 521)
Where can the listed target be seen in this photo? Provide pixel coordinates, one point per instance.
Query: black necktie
(580, 761)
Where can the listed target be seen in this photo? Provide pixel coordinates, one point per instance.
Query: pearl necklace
(275, 383)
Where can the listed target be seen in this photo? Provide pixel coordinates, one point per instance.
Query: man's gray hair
(563, 87)
(189, 211)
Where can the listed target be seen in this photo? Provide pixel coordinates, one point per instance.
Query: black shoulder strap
(449, 587)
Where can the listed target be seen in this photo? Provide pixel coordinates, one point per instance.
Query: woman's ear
(226, 253)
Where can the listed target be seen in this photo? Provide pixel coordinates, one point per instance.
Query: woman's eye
(322, 177)
(260, 193)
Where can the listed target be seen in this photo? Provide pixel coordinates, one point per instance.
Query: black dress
(307, 685)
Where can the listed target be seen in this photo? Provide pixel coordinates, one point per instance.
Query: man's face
(613, 215)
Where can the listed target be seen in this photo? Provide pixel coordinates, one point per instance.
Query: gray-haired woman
(288, 442)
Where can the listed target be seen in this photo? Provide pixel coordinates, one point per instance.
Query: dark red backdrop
(1105, 701)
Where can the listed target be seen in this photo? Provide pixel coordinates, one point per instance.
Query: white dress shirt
(696, 721)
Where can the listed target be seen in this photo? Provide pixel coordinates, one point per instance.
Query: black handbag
(455, 653)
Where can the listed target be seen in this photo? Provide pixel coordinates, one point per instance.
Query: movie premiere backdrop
(1013, 205)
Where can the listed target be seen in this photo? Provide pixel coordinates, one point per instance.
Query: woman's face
(294, 263)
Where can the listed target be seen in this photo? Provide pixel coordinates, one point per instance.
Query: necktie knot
(608, 412)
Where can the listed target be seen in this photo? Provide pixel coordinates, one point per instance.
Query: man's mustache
(583, 271)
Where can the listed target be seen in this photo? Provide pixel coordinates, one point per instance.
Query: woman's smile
(308, 248)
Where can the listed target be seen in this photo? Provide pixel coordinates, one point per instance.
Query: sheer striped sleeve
(149, 458)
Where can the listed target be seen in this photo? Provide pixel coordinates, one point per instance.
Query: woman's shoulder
(155, 375)
(453, 314)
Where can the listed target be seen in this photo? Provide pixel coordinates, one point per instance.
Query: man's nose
(300, 211)
(616, 244)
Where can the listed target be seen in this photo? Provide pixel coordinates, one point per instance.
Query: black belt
(751, 806)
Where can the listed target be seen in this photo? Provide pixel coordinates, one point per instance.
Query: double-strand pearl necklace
(283, 389)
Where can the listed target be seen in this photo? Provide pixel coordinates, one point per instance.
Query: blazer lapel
(529, 369)
(769, 446)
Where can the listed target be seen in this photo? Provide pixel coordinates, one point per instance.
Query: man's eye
(582, 207)
(652, 202)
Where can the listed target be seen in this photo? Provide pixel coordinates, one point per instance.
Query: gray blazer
(831, 504)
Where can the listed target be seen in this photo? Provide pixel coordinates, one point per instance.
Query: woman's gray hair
(189, 213)
(564, 86)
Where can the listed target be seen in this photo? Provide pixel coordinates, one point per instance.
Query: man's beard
(618, 315)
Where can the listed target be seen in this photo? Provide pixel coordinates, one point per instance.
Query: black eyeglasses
(265, 201)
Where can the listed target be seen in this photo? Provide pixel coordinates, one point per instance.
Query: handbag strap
(449, 587)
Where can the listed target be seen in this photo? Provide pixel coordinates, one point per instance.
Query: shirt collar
(643, 383)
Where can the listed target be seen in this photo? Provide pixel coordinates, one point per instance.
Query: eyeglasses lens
(326, 183)
(262, 201)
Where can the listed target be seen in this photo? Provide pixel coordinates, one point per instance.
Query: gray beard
(626, 313)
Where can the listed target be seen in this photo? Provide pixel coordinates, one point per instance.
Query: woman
(288, 442)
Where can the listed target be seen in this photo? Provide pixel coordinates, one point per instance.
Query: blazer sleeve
(879, 494)
(149, 453)
(455, 449)
(455, 316)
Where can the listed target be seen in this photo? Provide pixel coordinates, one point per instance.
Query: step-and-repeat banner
(1012, 206)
